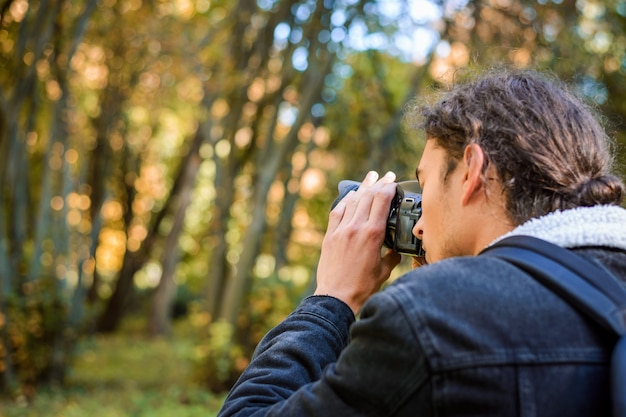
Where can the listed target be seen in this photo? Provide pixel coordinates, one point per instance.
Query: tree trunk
(218, 265)
(118, 302)
(238, 285)
(159, 322)
(285, 222)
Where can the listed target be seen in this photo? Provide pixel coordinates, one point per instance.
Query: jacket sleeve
(291, 355)
(305, 366)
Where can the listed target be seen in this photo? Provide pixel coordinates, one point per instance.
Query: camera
(404, 212)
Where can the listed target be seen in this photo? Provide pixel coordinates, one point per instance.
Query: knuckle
(336, 213)
(371, 230)
(351, 230)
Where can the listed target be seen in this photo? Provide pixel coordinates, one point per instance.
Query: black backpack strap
(585, 285)
(618, 377)
(588, 287)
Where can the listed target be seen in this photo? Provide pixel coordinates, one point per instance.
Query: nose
(418, 230)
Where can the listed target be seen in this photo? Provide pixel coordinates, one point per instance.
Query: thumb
(390, 260)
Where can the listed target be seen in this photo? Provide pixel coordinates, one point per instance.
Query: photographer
(509, 153)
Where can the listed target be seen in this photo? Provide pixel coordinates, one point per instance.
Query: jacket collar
(582, 226)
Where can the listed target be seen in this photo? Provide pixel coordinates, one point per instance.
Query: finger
(359, 204)
(388, 177)
(370, 178)
(418, 261)
(351, 201)
(383, 197)
(390, 260)
(338, 212)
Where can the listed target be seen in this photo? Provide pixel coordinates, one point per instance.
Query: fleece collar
(582, 226)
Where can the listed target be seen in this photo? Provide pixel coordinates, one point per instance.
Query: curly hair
(548, 147)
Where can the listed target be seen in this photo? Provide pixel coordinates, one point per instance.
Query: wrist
(353, 302)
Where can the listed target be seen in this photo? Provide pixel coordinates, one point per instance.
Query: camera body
(404, 212)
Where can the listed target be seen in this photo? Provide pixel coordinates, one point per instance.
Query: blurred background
(167, 166)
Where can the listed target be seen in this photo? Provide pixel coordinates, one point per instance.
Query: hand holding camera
(351, 266)
(404, 212)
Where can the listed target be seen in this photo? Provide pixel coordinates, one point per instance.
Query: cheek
(428, 211)
(430, 224)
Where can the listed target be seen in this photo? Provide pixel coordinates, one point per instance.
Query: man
(466, 335)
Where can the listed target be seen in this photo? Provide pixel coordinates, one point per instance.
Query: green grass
(126, 375)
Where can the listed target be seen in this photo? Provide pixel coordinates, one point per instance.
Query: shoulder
(452, 293)
(486, 306)
(477, 289)
(456, 280)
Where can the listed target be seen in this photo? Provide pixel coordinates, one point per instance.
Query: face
(437, 227)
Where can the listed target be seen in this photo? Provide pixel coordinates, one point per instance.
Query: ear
(473, 159)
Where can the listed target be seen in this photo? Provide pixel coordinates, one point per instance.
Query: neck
(490, 220)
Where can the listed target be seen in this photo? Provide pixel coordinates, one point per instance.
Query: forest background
(167, 166)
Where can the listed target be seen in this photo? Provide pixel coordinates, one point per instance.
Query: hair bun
(603, 189)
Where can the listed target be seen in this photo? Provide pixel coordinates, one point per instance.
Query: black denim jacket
(463, 337)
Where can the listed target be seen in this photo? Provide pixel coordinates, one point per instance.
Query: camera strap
(586, 286)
